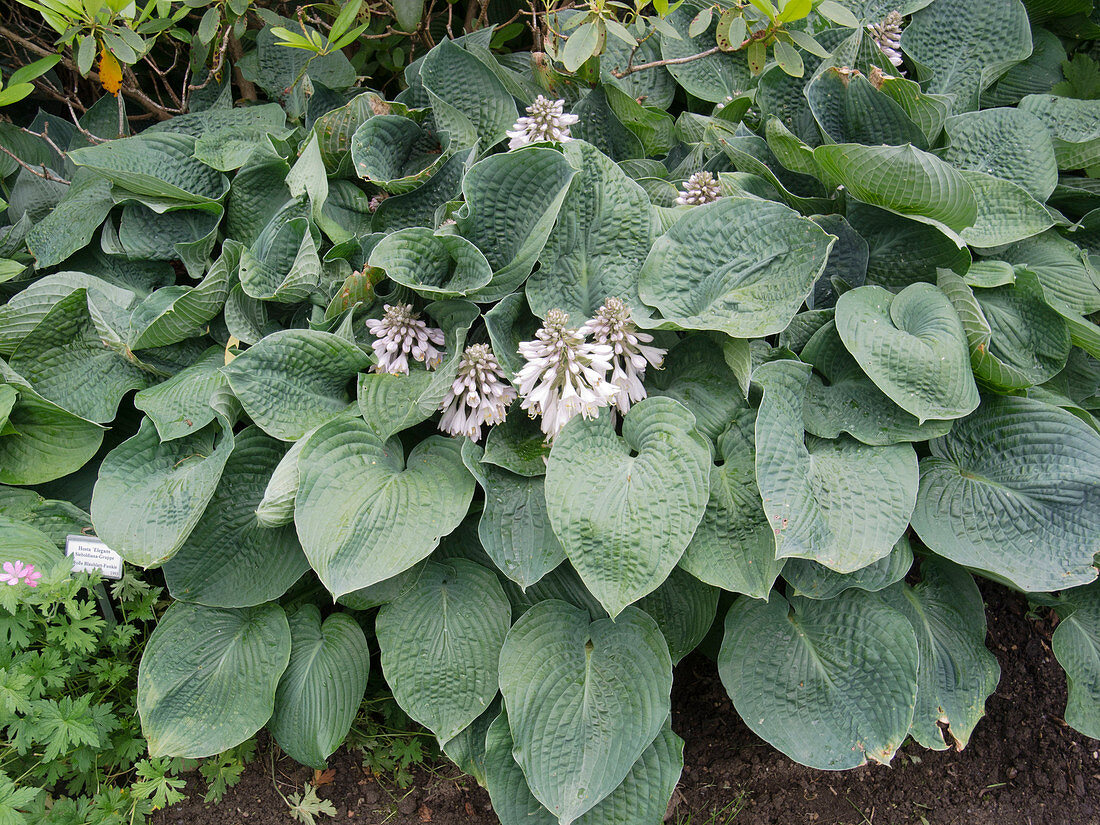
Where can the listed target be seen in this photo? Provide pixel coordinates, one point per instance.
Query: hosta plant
(516, 377)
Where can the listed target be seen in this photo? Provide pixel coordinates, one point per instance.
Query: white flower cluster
(630, 351)
(400, 333)
(566, 374)
(479, 395)
(545, 120)
(702, 187)
(887, 35)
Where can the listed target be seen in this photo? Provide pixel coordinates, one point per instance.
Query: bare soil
(1023, 765)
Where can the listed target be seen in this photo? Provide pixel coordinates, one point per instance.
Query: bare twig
(219, 59)
(675, 61)
(247, 87)
(45, 173)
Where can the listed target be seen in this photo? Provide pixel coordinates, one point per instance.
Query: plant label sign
(89, 554)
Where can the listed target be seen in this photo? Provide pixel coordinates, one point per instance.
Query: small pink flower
(14, 571)
(31, 576)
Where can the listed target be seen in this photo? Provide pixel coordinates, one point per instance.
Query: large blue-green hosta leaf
(602, 236)
(584, 701)
(734, 547)
(67, 361)
(1014, 492)
(514, 527)
(365, 513)
(956, 673)
(396, 153)
(641, 799)
(830, 683)
(1076, 645)
(512, 201)
(684, 609)
(230, 559)
(840, 398)
(740, 266)
(208, 676)
(1006, 212)
(904, 180)
(815, 581)
(967, 46)
(319, 694)
(440, 643)
(1008, 143)
(912, 346)
(625, 507)
(468, 99)
(295, 380)
(434, 265)
(150, 495)
(838, 502)
(696, 373)
(157, 165)
(39, 441)
(72, 224)
(22, 542)
(850, 110)
(184, 403)
(1074, 127)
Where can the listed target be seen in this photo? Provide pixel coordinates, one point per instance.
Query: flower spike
(564, 375)
(631, 355)
(545, 120)
(401, 333)
(479, 395)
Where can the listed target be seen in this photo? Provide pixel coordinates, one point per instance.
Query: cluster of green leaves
(67, 683)
(753, 27)
(882, 377)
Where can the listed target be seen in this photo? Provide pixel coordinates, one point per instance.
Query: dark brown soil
(1023, 765)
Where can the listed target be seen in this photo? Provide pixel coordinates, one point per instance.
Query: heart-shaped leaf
(208, 676)
(230, 559)
(440, 643)
(1013, 491)
(956, 674)
(584, 701)
(295, 380)
(625, 507)
(912, 346)
(433, 265)
(514, 528)
(734, 547)
(830, 683)
(151, 495)
(364, 513)
(748, 279)
(642, 797)
(319, 694)
(838, 502)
